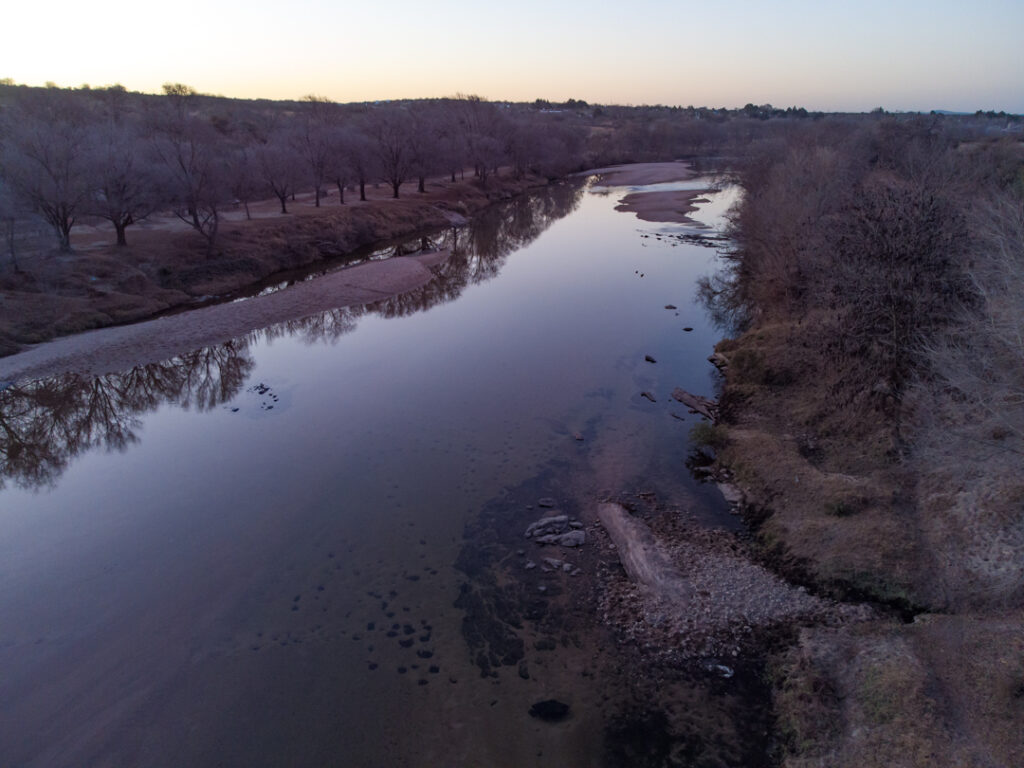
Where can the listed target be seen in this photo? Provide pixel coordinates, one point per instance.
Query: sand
(116, 349)
(670, 206)
(675, 206)
(640, 174)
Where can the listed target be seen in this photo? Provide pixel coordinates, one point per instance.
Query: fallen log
(643, 557)
(702, 405)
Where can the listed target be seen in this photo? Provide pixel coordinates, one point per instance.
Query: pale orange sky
(821, 55)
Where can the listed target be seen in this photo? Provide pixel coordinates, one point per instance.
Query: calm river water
(246, 556)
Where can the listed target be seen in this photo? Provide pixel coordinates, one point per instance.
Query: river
(254, 554)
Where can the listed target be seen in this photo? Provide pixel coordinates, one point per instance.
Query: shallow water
(200, 561)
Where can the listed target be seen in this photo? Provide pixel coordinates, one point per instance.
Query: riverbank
(166, 266)
(935, 677)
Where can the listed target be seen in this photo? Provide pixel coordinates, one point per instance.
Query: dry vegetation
(875, 412)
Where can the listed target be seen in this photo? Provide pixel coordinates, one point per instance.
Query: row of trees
(867, 236)
(68, 156)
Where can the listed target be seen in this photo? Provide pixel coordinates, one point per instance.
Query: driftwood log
(706, 408)
(643, 557)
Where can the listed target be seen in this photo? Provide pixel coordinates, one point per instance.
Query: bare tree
(123, 178)
(45, 159)
(313, 141)
(278, 164)
(424, 145)
(361, 158)
(981, 358)
(391, 128)
(244, 178)
(191, 155)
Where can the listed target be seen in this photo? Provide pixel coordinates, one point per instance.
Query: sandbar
(110, 350)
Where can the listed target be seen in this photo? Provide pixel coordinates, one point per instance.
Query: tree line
(68, 156)
(894, 252)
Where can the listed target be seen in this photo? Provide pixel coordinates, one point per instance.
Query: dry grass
(944, 691)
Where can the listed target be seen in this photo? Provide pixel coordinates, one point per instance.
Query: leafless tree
(313, 141)
(278, 164)
(191, 155)
(390, 129)
(123, 178)
(45, 159)
(243, 174)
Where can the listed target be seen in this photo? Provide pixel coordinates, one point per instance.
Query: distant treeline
(68, 155)
(85, 154)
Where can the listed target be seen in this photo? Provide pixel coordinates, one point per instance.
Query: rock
(554, 562)
(524, 672)
(573, 539)
(546, 502)
(530, 565)
(687, 329)
(578, 436)
(549, 710)
(649, 359)
(732, 494)
(547, 525)
(575, 524)
(720, 361)
(570, 539)
(649, 396)
(670, 306)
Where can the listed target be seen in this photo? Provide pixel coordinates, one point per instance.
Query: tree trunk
(283, 199)
(362, 189)
(423, 185)
(248, 216)
(211, 234)
(394, 187)
(10, 244)
(341, 193)
(316, 192)
(453, 175)
(120, 227)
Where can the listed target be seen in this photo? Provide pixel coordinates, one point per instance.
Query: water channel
(253, 554)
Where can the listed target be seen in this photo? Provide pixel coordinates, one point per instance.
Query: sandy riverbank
(115, 349)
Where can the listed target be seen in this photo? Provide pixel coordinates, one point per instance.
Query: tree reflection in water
(46, 423)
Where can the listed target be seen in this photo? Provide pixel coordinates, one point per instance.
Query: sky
(823, 55)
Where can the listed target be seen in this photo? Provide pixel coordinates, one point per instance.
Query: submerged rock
(547, 525)
(549, 710)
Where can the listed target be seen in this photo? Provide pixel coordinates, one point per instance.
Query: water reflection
(46, 423)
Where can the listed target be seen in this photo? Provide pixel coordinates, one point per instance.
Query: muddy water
(253, 554)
